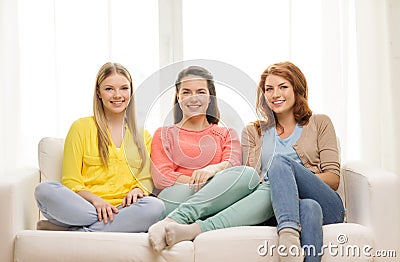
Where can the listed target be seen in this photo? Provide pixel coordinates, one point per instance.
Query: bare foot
(176, 232)
(157, 234)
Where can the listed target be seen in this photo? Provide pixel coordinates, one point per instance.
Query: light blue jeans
(303, 201)
(233, 197)
(63, 207)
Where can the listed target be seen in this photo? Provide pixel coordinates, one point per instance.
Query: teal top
(274, 145)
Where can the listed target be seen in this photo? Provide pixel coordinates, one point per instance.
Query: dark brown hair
(212, 113)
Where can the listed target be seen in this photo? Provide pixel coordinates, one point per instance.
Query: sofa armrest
(372, 199)
(18, 208)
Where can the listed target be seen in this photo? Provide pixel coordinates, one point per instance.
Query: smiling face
(193, 97)
(279, 94)
(115, 93)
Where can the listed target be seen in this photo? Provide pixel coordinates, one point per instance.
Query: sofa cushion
(50, 154)
(53, 246)
(252, 243)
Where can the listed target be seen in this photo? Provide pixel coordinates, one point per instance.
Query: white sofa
(370, 195)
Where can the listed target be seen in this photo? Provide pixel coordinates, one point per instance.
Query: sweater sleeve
(162, 165)
(73, 159)
(249, 145)
(327, 145)
(143, 179)
(231, 150)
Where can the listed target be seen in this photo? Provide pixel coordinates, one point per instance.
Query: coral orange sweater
(177, 151)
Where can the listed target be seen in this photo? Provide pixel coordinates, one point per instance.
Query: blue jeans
(63, 207)
(303, 201)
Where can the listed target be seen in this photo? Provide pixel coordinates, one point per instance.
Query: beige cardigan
(317, 146)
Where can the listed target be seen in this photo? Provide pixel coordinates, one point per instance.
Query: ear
(98, 93)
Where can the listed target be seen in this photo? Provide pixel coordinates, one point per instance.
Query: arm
(328, 151)
(231, 156)
(251, 147)
(231, 150)
(73, 159)
(143, 183)
(248, 146)
(331, 179)
(201, 176)
(72, 172)
(162, 167)
(104, 209)
(143, 180)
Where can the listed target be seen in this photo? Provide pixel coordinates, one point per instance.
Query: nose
(117, 93)
(193, 97)
(276, 93)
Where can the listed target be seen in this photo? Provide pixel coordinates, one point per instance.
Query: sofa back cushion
(50, 154)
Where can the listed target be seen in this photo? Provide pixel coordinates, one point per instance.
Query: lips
(117, 103)
(194, 106)
(278, 103)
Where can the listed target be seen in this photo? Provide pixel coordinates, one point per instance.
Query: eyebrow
(188, 89)
(110, 85)
(278, 85)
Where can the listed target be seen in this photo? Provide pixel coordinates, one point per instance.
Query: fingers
(105, 216)
(110, 214)
(132, 198)
(106, 213)
(198, 179)
(99, 214)
(115, 210)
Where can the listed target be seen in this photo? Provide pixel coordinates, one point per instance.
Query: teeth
(191, 106)
(277, 102)
(117, 102)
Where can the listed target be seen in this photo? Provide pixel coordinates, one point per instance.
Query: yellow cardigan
(83, 169)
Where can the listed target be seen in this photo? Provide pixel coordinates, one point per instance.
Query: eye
(108, 88)
(268, 89)
(125, 88)
(284, 87)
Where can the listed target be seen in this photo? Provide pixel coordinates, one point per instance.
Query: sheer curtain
(49, 57)
(50, 52)
(378, 53)
(316, 35)
(345, 48)
(9, 86)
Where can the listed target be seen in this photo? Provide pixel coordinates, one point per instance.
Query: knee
(249, 175)
(279, 159)
(44, 189)
(311, 209)
(156, 208)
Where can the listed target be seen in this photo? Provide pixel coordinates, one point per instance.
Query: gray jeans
(63, 207)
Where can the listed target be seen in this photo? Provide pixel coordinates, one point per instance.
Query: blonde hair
(103, 140)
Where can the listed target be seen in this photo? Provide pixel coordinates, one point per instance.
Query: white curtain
(50, 52)
(378, 53)
(49, 55)
(10, 105)
(348, 50)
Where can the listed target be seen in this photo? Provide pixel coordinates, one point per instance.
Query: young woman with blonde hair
(106, 176)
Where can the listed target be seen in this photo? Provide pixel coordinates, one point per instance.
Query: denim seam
(289, 223)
